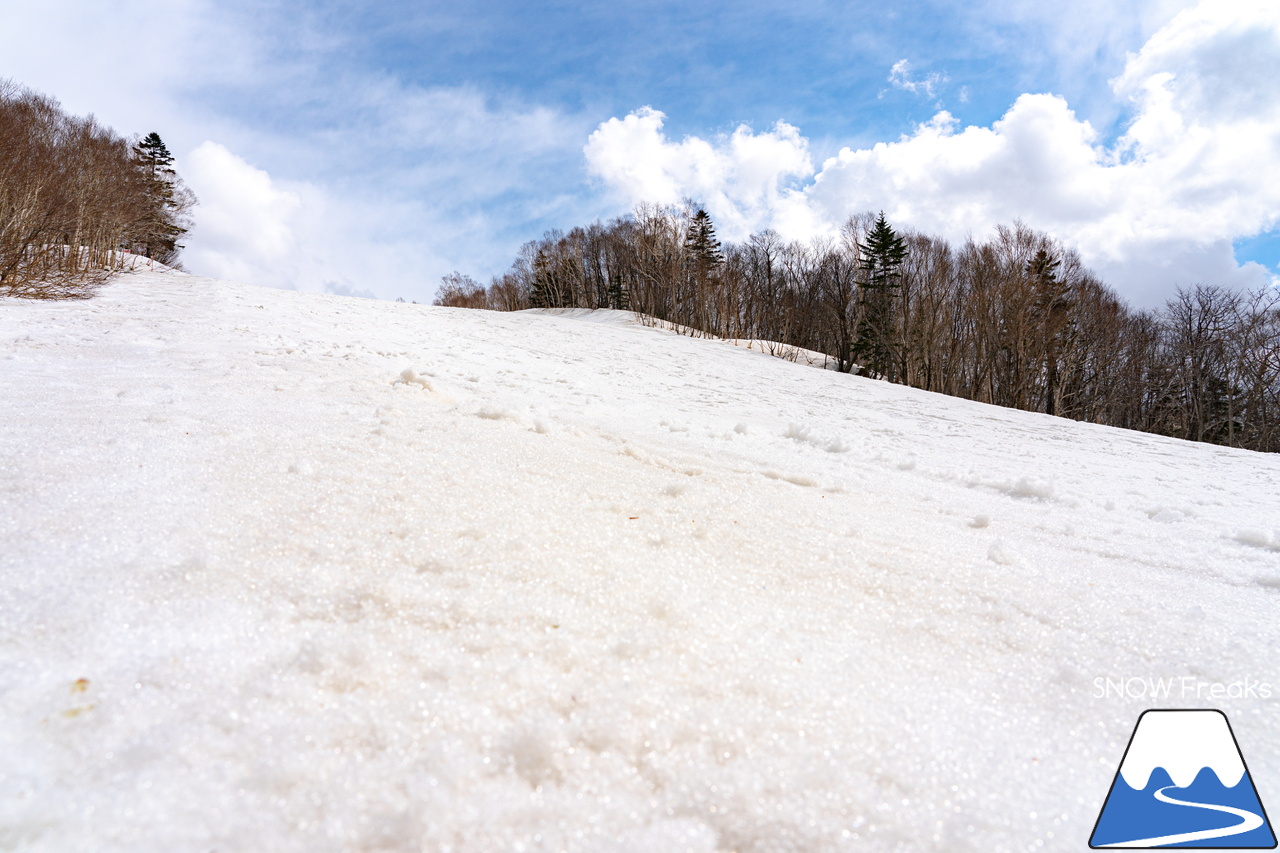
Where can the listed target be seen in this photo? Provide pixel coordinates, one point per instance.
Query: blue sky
(370, 148)
(710, 67)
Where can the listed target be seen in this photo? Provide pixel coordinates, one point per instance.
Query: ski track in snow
(301, 572)
(1248, 822)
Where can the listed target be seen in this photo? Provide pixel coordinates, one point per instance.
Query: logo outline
(1266, 820)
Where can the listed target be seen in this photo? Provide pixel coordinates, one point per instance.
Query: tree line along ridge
(1016, 320)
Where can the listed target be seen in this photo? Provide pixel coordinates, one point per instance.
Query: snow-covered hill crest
(300, 572)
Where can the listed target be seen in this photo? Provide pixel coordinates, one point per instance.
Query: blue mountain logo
(1183, 783)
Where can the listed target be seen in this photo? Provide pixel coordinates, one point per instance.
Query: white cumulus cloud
(742, 178)
(244, 221)
(297, 235)
(1197, 166)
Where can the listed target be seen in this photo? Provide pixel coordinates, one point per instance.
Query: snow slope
(298, 572)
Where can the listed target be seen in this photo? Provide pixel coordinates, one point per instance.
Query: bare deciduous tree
(1016, 320)
(74, 198)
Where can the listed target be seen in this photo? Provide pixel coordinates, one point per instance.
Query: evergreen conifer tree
(1052, 303)
(702, 257)
(545, 293)
(882, 256)
(701, 244)
(154, 155)
(162, 224)
(619, 295)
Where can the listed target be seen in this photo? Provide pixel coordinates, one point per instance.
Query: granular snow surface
(294, 572)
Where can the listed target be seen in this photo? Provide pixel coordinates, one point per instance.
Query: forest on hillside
(1015, 320)
(75, 197)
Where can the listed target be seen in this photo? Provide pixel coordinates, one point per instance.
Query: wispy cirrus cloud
(413, 184)
(316, 168)
(929, 85)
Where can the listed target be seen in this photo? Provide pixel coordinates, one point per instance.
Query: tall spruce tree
(547, 291)
(159, 230)
(154, 155)
(881, 258)
(702, 257)
(1052, 305)
(701, 244)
